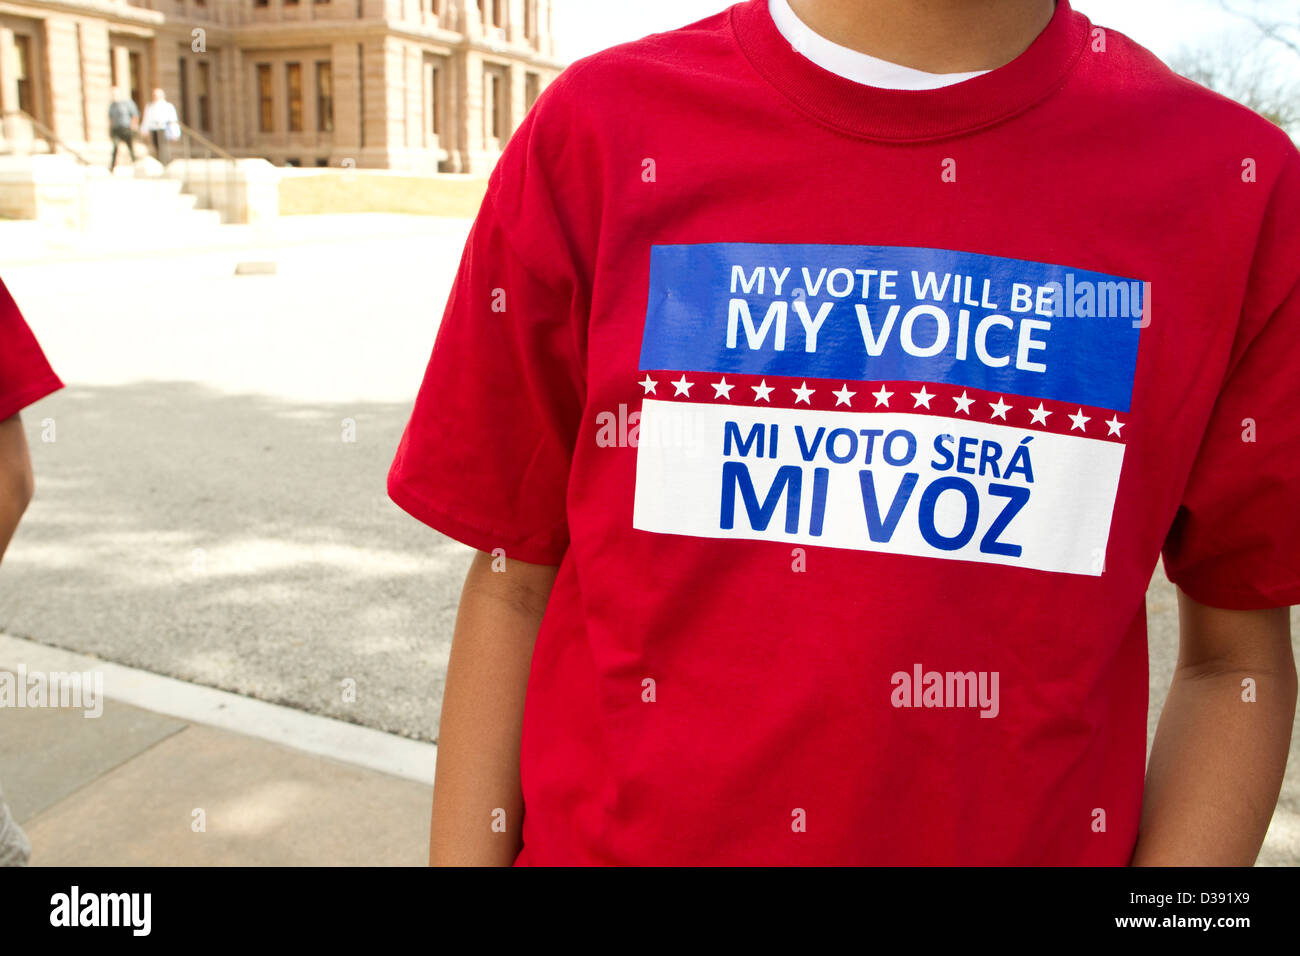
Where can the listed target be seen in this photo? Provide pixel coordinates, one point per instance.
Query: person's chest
(980, 349)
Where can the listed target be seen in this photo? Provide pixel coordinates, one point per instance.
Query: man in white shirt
(159, 115)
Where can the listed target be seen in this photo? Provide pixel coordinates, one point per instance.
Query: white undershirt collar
(852, 65)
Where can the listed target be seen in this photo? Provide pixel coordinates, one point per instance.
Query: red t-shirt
(856, 421)
(25, 375)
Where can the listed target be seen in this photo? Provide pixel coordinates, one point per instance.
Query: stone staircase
(61, 193)
(141, 201)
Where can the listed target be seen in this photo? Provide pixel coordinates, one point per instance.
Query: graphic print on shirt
(896, 399)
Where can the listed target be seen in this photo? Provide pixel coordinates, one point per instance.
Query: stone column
(167, 73)
(8, 84)
(345, 68)
(471, 24)
(518, 104)
(66, 112)
(514, 11)
(413, 87)
(453, 132)
(382, 115)
(230, 100)
(122, 61)
(96, 76)
(473, 122)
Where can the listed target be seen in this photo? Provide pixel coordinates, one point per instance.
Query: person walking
(162, 124)
(122, 118)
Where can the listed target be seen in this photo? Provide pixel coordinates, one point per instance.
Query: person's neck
(936, 36)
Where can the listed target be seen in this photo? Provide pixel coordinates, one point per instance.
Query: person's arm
(477, 774)
(1217, 762)
(16, 481)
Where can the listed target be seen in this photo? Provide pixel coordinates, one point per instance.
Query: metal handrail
(191, 137)
(48, 134)
(204, 141)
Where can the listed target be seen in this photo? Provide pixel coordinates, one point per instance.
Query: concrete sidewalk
(166, 773)
(251, 784)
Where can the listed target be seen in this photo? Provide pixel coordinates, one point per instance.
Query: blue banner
(893, 313)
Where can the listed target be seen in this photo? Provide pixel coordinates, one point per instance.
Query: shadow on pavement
(236, 541)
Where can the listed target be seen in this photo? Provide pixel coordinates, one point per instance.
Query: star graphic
(1039, 415)
(1000, 409)
(761, 391)
(801, 393)
(722, 389)
(682, 386)
(964, 402)
(1114, 425)
(882, 397)
(1080, 420)
(922, 398)
(648, 384)
(844, 396)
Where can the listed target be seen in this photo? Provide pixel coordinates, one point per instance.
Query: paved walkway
(159, 772)
(199, 515)
(210, 500)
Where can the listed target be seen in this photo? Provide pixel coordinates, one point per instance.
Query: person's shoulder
(616, 76)
(1167, 101)
(607, 96)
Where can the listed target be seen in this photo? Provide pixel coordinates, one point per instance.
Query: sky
(1163, 26)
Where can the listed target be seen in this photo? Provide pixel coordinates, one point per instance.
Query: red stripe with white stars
(917, 398)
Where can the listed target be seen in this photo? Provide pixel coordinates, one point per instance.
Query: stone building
(421, 85)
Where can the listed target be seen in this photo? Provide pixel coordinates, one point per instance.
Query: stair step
(129, 198)
(180, 210)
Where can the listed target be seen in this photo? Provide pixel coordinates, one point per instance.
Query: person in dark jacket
(122, 118)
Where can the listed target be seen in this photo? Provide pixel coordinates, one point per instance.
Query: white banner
(901, 483)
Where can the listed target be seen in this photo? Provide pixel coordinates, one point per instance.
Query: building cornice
(320, 32)
(279, 34)
(111, 10)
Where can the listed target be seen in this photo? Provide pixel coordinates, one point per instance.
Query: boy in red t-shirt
(25, 377)
(821, 384)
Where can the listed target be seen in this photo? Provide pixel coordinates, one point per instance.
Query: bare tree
(1283, 30)
(1247, 68)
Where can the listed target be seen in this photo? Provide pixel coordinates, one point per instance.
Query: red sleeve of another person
(25, 375)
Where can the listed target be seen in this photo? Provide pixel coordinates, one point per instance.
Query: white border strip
(324, 736)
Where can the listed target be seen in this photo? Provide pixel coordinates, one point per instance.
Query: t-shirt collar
(912, 115)
(853, 64)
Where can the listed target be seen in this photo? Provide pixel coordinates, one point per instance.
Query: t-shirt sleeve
(1235, 540)
(25, 375)
(486, 455)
